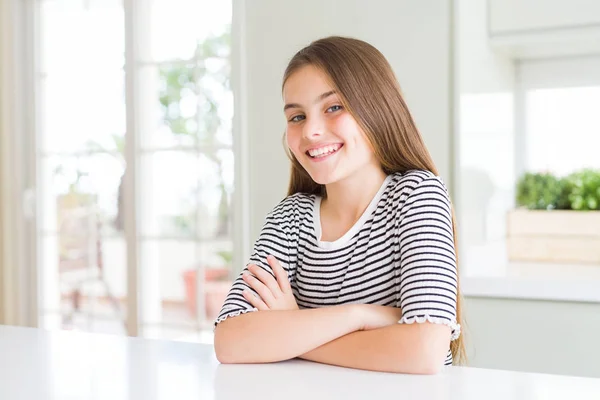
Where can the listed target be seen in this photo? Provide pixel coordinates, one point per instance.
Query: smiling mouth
(324, 151)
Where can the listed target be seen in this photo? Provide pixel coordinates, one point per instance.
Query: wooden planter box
(559, 236)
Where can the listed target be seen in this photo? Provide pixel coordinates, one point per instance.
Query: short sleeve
(271, 241)
(428, 272)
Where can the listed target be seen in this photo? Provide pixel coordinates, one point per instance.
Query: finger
(263, 291)
(266, 278)
(280, 274)
(254, 300)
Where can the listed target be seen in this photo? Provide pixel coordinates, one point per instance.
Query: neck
(349, 198)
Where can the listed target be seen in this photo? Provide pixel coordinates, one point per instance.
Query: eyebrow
(319, 99)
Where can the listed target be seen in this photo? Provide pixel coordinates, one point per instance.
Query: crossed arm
(357, 336)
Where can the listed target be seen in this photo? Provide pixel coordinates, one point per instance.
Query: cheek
(342, 124)
(292, 137)
(347, 129)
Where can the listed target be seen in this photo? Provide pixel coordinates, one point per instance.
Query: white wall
(414, 36)
(480, 69)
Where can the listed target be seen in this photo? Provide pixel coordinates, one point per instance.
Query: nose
(313, 128)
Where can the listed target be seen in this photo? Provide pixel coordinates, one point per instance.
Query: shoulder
(416, 181)
(416, 192)
(292, 207)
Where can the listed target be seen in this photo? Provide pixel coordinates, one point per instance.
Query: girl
(356, 267)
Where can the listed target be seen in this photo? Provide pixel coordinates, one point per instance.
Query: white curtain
(8, 196)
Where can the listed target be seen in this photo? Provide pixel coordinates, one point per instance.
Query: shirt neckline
(344, 239)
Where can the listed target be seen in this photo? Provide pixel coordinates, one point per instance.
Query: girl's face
(322, 135)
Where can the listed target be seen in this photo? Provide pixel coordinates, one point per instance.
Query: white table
(40, 365)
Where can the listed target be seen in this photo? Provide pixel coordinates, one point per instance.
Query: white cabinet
(534, 336)
(512, 16)
(527, 29)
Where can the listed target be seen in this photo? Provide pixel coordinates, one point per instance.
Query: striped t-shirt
(399, 253)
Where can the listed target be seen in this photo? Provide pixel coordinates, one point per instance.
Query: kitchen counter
(486, 272)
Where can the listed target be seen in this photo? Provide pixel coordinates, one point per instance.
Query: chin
(324, 179)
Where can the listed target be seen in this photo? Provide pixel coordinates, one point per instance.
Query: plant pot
(216, 287)
(557, 236)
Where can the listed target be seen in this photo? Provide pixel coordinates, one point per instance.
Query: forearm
(269, 336)
(401, 348)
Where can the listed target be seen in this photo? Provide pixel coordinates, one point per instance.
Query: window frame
(25, 166)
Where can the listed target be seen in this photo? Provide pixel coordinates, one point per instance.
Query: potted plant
(557, 219)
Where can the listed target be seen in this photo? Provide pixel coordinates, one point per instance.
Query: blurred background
(140, 150)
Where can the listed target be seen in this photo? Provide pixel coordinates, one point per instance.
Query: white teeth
(323, 150)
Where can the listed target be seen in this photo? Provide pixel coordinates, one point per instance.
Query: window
(487, 173)
(169, 97)
(562, 126)
(549, 122)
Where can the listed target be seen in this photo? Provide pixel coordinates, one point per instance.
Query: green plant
(584, 190)
(542, 191)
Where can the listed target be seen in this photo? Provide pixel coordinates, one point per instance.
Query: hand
(275, 293)
(375, 317)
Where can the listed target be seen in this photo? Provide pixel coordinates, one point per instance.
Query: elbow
(422, 363)
(431, 358)
(416, 365)
(223, 346)
(427, 353)
(430, 366)
(223, 356)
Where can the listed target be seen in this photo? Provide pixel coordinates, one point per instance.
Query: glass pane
(90, 184)
(169, 101)
(171, 282)
(169, 189)
(83, 256)
(186, 195)
(179, 27)
(487, 160)
(214, 258)
(215, 102)
(563, 129)
(82, 94)
(186, 104)
(83, 279)
(163, 266)
(216, 189)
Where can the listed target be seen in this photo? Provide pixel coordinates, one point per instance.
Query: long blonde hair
(369, 90)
